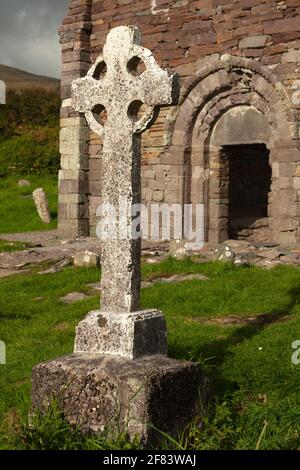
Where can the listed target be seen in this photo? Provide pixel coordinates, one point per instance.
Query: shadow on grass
(220, 349)
(14, 316)
(53, 215)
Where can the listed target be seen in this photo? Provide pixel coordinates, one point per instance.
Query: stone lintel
(97, 392)
(131, 335)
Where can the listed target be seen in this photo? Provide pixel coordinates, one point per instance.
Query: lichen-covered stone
(86, 259)
(178, 249)
(23, 183)
(113, 84)
(41, 203)
(131, 335)
(97, 392)
(224, 253)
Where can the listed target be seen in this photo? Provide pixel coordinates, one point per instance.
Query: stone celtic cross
(119, 372)
(113, 84)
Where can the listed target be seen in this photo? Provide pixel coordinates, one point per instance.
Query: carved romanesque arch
(218, 87)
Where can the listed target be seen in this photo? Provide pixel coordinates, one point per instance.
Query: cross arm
(156, 85)
(87, 92)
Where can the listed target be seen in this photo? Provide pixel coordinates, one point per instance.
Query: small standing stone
(41, 203)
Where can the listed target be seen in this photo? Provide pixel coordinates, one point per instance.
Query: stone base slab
(132, 335)
(97, 393)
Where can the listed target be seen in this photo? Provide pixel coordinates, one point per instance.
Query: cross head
(115, 85)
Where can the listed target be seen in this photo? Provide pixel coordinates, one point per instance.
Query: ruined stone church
(230, 141)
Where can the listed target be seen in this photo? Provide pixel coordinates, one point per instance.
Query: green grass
(17, 210)
(257, 393)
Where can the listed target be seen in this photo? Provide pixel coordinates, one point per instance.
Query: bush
(29, 129)
(30, 108)
(35, 152)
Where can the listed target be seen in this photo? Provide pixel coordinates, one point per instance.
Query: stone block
(291, 56)
(95, 187)
(74, 133)
(131, 335)
(72, 228)
(72, 198)
(72, 174)
(218, 210)
(286, 238)
(224, 253)
(178, 249)
(73, 211)
(97, 392)
(251, 42)
(95, 164)
(86, 259)
(147, 194)
(158, 196)
(157, 185)
(173, 196)
(74, 162)
(73, 186)
(174, 182)
(74, 121)
(296, 183)
(73, 147)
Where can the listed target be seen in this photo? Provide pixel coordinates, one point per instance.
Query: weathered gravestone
(120, 369)
(41, 204)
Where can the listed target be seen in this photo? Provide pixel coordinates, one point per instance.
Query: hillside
(16, 79)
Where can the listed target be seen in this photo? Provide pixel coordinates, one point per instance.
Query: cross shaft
(120, 91)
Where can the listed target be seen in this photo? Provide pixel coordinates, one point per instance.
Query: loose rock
(23, 183)
(73, 297)
(224, 253)
(177, 249)
(86, 259)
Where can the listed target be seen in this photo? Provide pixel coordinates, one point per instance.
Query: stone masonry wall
(261, 40)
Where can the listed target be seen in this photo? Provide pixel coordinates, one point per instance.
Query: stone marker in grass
(41, 204)
(120, 373)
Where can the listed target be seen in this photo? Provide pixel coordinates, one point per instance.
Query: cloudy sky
(28, 34)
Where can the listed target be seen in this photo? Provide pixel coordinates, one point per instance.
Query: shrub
(30, 108)
(29, 129)
(35, 152)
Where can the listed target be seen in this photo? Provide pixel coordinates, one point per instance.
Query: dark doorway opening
(250, 178)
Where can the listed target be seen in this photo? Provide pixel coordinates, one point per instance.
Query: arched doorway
(240, 175)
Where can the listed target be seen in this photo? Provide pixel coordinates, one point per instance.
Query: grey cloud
(28, 34)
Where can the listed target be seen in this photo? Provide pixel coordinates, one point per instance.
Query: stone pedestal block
(97, 392)
(132, 335)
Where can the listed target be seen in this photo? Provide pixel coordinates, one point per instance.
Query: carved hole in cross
(136, 66)
(100, 114)
(136, 110)
(100, 71)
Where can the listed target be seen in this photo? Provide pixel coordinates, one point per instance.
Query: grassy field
(256, 385)
(17, 210)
